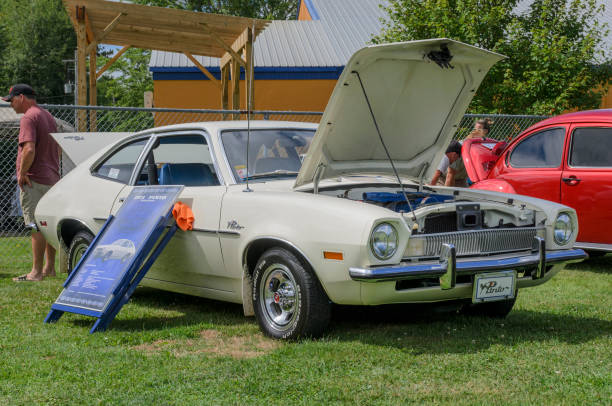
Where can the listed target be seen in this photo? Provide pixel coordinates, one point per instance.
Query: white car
(354, 224)
(122, 249)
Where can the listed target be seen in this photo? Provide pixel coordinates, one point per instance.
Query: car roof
(601, 115)
(586, 116)
(214, 126)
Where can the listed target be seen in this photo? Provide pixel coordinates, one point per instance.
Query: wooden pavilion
(191, 33)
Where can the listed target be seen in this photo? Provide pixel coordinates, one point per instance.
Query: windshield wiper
(272, 174)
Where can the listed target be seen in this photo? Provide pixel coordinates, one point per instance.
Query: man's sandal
(24, 278)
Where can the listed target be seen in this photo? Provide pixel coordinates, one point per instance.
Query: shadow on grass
(190, 310)
(601, 264)
(7, 275)
(420, 328)
(414, 328)
(440, 330)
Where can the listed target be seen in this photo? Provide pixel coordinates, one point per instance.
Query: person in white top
(452, 154)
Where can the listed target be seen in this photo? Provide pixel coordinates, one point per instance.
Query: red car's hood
(479, 155)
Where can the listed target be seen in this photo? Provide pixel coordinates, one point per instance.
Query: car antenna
(415, 226)
(249, 84)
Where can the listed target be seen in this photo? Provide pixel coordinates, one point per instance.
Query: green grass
(15, 253)
(169, 349)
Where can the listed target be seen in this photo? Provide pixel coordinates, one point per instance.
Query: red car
(566, 159)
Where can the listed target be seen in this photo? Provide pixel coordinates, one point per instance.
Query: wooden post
(225, 80)
(235, 87)
(82, 68)
(203, 69)
(93, 89)
(249, 73)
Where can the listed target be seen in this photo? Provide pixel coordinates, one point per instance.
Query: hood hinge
(442, 57)
(317, 177)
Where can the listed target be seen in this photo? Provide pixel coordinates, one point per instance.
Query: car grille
(440, 222)
(479, 242)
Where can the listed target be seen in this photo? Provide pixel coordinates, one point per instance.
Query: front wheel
(288, 300)
(78, 246)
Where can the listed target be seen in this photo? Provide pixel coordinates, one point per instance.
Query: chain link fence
(503, 127)
(14, 241)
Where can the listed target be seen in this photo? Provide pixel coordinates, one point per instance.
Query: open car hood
(480, 155)
(418, 92)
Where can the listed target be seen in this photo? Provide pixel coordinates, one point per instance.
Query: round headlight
(384, 241)
(563, 229)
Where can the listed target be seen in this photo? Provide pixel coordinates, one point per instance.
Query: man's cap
(454, 146)
(18, 89)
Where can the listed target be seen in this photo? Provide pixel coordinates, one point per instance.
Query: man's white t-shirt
(444, 164)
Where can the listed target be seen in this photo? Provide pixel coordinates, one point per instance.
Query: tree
(35, 36)
(127, 80)
(268, 9)
(3, 45)
(124, 85)
(556, 60)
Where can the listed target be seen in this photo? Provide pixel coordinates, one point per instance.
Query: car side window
(120, 165)
(183, 159)
(540, 150)
(591, 147)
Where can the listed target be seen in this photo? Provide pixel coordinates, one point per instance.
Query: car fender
(333, 224)
(280, 216)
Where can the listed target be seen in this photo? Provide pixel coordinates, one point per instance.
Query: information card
(117, 254)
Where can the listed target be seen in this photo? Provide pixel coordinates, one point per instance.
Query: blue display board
(119, 256)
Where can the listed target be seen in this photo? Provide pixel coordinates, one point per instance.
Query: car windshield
(273, 153)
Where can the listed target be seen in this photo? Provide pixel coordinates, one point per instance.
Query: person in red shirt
(37, 170)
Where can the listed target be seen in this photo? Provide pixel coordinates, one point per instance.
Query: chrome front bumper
(448, 266)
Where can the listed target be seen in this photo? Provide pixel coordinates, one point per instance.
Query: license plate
(494, 286)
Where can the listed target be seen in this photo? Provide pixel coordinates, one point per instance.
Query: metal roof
(342, 27)
(350, 24)
(281, 44)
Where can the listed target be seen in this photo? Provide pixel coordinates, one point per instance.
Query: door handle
(572, 180)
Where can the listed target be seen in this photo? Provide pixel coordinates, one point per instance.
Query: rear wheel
(78, 246)
(288, 300)
(498, 309)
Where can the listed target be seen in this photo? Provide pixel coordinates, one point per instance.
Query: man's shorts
(29, 196)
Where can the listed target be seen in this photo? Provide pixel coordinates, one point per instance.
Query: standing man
(37, 170)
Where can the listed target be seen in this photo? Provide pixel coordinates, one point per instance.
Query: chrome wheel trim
(79, 250)
(279, 297)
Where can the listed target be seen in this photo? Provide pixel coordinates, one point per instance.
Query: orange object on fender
(183, 216)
